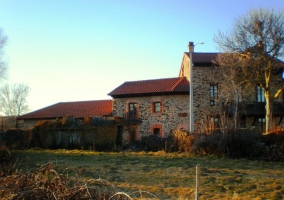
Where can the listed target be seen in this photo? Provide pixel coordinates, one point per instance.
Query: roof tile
(79, 109)
(142, 87)
(201, 58)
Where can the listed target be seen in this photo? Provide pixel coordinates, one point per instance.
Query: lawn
(167, 175)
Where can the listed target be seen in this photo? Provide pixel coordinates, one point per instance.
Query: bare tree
(3, 67)
(231, 84)
(13, 99)
(258, 40)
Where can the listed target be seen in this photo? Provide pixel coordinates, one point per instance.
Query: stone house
(157, 106)
(210, 111)
(160, 106)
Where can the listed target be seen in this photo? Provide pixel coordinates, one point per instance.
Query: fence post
(197, 183)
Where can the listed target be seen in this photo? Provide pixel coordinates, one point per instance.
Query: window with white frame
(259, 94)
(156, 107)
(213, 93)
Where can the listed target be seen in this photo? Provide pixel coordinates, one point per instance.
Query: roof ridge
(178, 82)
(203, 52)
(144, 80)
(85, 101)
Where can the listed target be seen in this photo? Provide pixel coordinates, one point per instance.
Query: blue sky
(68, 50)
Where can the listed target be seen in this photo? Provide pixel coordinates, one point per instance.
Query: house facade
(210, 112)
(160, 106)
(157, 107)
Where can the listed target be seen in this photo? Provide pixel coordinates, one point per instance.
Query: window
(215, 122)
(259, 94)
(156, 131)
(132, 110)
(156, 107)
(213, 93)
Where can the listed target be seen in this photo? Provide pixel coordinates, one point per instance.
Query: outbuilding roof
(165, 86)
(77, 109)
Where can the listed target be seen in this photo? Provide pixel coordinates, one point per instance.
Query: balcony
(132, 118)
(254, 108)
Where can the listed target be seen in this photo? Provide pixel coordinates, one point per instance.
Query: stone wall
(173, 115)
(203, 111)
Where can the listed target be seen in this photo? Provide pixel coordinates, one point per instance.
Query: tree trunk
(268, 108)
(236, 116)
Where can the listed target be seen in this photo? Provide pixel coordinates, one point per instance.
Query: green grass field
(167, 175)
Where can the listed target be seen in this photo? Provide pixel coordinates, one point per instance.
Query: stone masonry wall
(173, 115)
(202, 77)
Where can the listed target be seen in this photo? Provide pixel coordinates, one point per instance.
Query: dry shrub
(66, 133)
(184, 141)
(17, 139)
(7, 162)
(233, 143)
(47, 183)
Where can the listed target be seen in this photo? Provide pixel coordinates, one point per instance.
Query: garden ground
(166, 175)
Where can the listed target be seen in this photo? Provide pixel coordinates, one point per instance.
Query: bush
(273, 146)
(17, 139)
(65, 133)
(233, 143)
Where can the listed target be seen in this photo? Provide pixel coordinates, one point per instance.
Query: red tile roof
(203, 58)
(79, 109)
(176, 85)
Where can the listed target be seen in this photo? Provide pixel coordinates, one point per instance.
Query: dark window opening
(215, 122)
(132, 110)
(259, 94)
(156, 131)
(213, 93)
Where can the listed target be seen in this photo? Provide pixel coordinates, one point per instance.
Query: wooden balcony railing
(253, 108)
(132, 118)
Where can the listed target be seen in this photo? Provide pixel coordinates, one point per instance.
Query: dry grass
(167, 175)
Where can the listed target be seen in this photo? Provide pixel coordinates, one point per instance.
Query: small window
(213, 93)
(259, 94)
(156, 131)
(132, 111)
(215, 122)
(157, 107)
